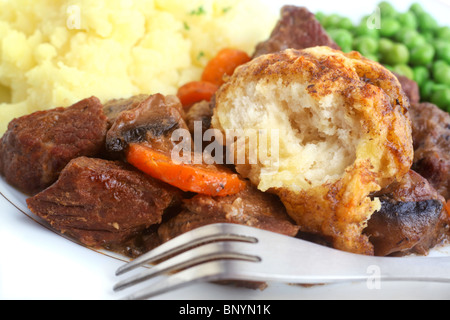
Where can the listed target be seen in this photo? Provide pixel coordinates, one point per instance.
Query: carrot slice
(224, 63)
(207, 180)
(196, 91)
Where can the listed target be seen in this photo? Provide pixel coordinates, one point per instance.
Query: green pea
(387, 10)
(426, 90)
(441, 98)
(404, 70)
(345, 23)
(332, 21)
(442, 50)
(429, 88)
(366, 45)
(437, 86)
(399, 54)
(403, 34)
(443, 33)
(408, 20)
(442, 75)
(410, 37)
(421, 75)
(422, 55)
(427, 22)
(385, 46)
(415, 41)
(389, 27)
(416, 8)
(428, 36)
(343, 38)
(366, 29)
(439, 64)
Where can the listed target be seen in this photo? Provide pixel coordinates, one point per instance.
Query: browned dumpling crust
(344, 133)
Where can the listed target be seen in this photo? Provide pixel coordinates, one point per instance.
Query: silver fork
(222, 252)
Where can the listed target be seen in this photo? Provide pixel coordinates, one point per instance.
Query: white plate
(36, 263)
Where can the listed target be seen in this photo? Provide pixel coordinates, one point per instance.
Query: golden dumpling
(342, 133)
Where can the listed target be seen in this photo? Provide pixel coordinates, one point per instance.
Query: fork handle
(406, 269)
(312, 264)
(362, 268)
(307, 263)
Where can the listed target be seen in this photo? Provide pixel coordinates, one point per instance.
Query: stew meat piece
(103, 203)
(431, 135)
(36, 147)
(298, 29)
(250, 207)
(411, 89)
(412, 218)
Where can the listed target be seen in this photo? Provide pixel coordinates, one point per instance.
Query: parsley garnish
(201, 54)
(199, 11)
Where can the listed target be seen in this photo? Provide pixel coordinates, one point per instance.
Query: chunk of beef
(250, 207)
(411, 89)
(431, 135)
(36, 147)
(103, 203)
(411, 219)
(297, 28)
(152, 121)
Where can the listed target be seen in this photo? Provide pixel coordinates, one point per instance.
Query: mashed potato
(55, 52)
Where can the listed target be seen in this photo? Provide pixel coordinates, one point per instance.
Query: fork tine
(188, 259)
(208, 272)
(186, 241)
